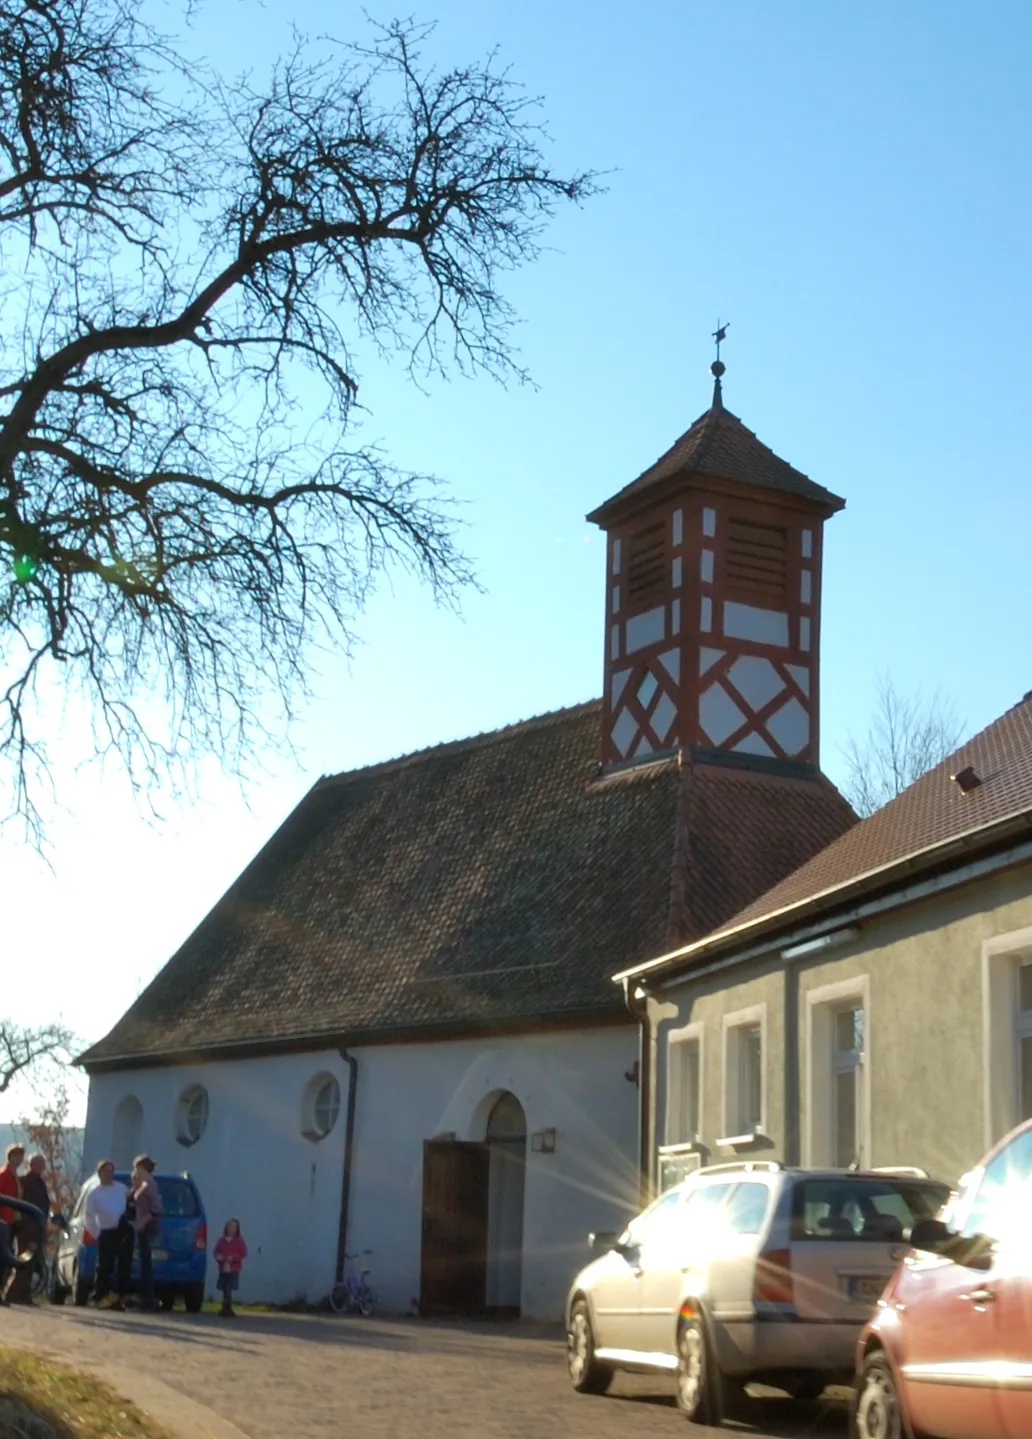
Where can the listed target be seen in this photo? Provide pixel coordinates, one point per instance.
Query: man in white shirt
(105, 1218)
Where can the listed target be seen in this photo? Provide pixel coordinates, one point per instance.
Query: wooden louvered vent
(646, 568)
(757, 560)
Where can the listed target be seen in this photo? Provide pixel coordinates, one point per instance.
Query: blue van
(180, 1248)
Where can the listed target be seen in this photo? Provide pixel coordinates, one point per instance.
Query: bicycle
(354, 1292)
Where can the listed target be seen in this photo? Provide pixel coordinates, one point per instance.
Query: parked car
(746, 1271)
(180, 1248)
(949, 1349)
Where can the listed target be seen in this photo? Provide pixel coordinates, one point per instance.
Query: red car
(948, 1351)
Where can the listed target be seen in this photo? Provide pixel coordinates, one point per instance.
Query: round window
(192, 1114)
(321, 1107)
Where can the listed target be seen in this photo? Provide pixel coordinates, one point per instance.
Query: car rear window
(869, 1210)
(179, 1199)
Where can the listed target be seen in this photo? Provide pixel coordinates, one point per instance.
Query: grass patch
(42, 1400)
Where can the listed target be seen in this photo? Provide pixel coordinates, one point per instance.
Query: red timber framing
(713, 623)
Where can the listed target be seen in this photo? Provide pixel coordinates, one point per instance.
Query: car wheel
(80, 1289)
(587, 1375)
(166, 1301)
(193, 1298)
(700, 1384)
(876, 1408)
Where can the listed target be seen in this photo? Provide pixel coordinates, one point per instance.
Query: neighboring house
(876, 1005)
(396, 1030)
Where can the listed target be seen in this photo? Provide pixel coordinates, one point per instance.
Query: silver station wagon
(747, 1271)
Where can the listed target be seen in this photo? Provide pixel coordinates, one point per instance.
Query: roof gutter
(789, 919)
(795, 939)
(345, 1183)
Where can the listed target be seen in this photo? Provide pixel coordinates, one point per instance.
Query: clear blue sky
(850, 186)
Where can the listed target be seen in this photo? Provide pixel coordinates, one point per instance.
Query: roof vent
(966, 779)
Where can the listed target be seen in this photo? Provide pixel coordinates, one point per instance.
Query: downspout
(345, 1184)
(639, 1008)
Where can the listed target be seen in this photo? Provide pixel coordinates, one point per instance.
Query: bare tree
(190, 267)
(48, 1132)
(907, 736)
(25, 1052)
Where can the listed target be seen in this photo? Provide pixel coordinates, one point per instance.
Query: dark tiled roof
(932, 811)
(718, 444)
(496, 880)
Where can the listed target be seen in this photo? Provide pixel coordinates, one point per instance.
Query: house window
(320, 1107)
(847, 1058)
(757, 561)
(743, 1070)
(750, 1077)
(191, 1114)
(836, 1093)
(647, 568)
(684, 1085)
(1007, 1032)
(1024, 1041)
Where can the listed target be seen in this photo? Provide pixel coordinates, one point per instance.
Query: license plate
(865, 1288)
(159, 1254)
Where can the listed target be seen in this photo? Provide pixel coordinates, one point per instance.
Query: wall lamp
(543, 1141)
(822, 942)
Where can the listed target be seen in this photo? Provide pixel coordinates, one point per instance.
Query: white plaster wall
(254, 1162)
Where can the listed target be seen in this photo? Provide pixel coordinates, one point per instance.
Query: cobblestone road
(280, 1375)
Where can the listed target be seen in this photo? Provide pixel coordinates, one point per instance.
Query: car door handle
(982, 1296)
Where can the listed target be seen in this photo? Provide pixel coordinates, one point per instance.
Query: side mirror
(930, 1235)
(603, 1241)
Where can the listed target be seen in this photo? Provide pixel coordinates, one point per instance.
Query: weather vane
(719, 334)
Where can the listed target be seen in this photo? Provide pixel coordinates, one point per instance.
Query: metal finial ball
(717, 369)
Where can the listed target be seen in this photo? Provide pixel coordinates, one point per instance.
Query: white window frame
(823, 1003)
(677, 1041)
(755, 1016)
(1002, 957)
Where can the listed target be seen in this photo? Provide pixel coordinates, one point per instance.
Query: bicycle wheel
(340, 1299)
(367, 1301)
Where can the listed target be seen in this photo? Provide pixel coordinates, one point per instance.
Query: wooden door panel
(453, 1277)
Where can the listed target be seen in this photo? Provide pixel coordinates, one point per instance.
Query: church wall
(253, 1160)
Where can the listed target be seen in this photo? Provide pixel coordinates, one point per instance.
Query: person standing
(9, 1218)
(32, 1232)
(105, 1219)
(147, 1212)
(230, 1253)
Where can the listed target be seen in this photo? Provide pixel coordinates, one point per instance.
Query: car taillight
(201, 1241)
(87, 1237)
(774, 1277)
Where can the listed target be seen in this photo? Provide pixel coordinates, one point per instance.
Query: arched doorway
(507, 1147)
(127, 1131)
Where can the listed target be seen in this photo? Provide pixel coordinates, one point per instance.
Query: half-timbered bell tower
(713, 600)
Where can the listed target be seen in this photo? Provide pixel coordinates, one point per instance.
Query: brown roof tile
(495, 880)
(718, 444)
(931, 812)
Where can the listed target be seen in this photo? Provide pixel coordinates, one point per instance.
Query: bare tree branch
(907, 736)
(23, 1052)
(186, 284)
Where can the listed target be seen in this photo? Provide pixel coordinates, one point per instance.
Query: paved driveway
(286, 1375)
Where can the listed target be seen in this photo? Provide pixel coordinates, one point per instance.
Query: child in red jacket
(230, 1253)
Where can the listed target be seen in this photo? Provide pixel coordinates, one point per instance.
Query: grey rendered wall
(925, 1049)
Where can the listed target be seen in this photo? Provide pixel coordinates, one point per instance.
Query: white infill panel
(750, 622)
(718, 714)
(790, 726)
(663, 717)
(754, 744)
(645, 629)
(756, 680)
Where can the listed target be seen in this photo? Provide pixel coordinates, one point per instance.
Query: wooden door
(453, 1277)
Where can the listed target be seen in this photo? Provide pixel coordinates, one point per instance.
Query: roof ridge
(475, 741)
